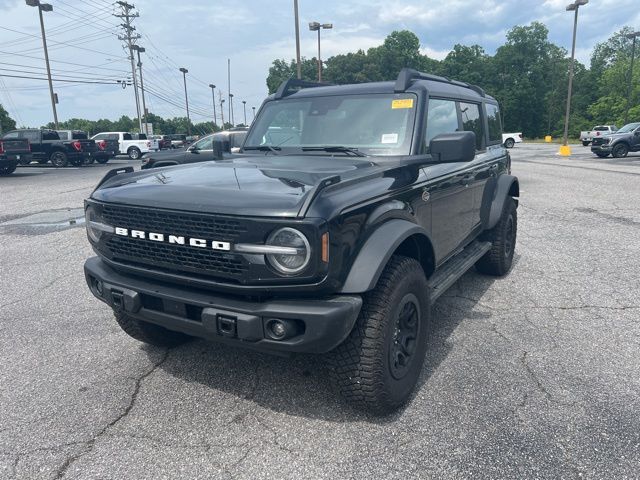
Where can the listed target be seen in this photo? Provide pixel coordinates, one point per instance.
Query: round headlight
(95, 225)
(289, 263)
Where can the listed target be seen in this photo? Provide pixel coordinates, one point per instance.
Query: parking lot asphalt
(535, 375)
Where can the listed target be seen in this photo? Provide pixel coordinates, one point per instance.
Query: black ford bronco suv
(348, 212)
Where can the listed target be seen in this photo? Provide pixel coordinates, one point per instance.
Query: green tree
(280, 71)
(6, 122)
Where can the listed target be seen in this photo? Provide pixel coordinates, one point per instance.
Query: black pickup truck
(89, 147)
(14, 152)
(350, 210)
(46, 146)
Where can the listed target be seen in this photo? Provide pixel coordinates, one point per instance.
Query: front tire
(377, 367)
(149, 333)
(499, 259)
(59, 159)
(509, 143)
(620, 151)
(602, 155)
(134, 153)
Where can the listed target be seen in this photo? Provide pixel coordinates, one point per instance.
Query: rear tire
(377, 367)
(4, 171)
(620, 151)
(509, 143)
(59, 159)
(499, 259)
(134, 153)
(149, 333)
(585, 144)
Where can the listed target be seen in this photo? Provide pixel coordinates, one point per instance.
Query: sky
(201, 35)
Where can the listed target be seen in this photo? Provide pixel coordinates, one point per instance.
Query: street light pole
(298, 66)
(633, 35)
(315, 26)
(186, 98)
(244, 107)
(46, 7)
(254, 112)
(565, 150)
(139, 49)
(233, 122)
(213, 97)
(222, 111)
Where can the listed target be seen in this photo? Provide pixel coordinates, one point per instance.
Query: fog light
(278, 329)
(281, 329)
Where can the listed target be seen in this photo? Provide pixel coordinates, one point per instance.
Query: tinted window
(31, 135)
(127, 136)
(442, 118)
(79, 136)
(472, 122)
(495, 126)
(63, 135)
(601, 129)
(50, 135)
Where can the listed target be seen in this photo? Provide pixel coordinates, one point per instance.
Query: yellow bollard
(565, 150)
(547, 139)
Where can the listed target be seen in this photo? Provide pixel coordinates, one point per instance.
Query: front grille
(600, 141)
(182, 223)
(175, 258)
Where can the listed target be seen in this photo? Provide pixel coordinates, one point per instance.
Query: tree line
(528, 75)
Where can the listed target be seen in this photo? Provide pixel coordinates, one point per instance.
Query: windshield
(629, 127)
(378, 124)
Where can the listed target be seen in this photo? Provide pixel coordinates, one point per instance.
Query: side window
(472, 122)
(32, 135)
(63, 135)
(127, 136)
(205, 143)
(495, 126)
(50, 135)
(442, 117)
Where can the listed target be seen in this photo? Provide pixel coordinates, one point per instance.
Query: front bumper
(322, 323)
(601, 148)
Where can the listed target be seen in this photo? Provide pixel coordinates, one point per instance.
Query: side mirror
(453, 147)
(218, 149)
(194, 149)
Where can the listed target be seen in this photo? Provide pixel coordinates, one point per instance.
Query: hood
(274, 186)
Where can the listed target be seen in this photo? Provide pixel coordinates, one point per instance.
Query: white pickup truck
(598, 131)
(510, 139)
(131, 145)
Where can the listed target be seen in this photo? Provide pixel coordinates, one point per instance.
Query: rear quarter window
(494, 124)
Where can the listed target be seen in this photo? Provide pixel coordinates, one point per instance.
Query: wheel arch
(496, 193)
(394, 237)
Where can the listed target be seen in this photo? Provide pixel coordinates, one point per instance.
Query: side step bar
(457, 266)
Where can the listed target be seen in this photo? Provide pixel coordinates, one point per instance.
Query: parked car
(155, 145)
(586, 137)
(510, 139)
(178, 140)
(337, 242)
(129, 144)
(108, 147)
(46, 146)
(164, 141)
(14, 152)
(200, 151)
(619, 143)
(89, 147)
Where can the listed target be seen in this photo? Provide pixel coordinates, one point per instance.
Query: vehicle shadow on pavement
(300, 385)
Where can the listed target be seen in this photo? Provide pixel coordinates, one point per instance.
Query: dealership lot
(533, 375)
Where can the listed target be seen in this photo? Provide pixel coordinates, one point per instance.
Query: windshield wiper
(264, 148)
(335, 148)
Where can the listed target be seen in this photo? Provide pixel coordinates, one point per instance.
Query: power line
(60, 61)
(114, 82)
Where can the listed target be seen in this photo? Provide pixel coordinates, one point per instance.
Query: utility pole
(254, 112)
(633, 35)
(233, 121)
(186, 98)
(298, 66)
(229, 89)
(130, 38)
(45, 7)
(221, 108)
(213, 97)
(139, 49)
(244, 107)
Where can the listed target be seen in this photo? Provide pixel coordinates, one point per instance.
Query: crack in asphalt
(90, 444)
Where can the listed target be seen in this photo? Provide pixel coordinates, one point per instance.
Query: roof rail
(292, 85)
(408, 75)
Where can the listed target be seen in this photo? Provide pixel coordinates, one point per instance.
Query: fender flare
(507, 186)
(376, 252)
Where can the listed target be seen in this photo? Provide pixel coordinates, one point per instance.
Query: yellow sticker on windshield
(402, 103)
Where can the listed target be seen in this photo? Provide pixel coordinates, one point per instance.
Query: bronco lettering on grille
(173, 239)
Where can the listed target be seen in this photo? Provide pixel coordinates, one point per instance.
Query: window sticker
(389, 138)
(402, 103)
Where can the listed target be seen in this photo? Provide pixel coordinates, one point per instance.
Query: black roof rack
(408, 75)
(292, 85)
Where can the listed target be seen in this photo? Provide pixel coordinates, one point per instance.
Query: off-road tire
(103, 160)
(585, 144)
(149, 333)
(602, 155)
(620, 150)
(509, 143)
(498, 260)
(362, 367)
(134, 153)
(59, 159)
(4, 171)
